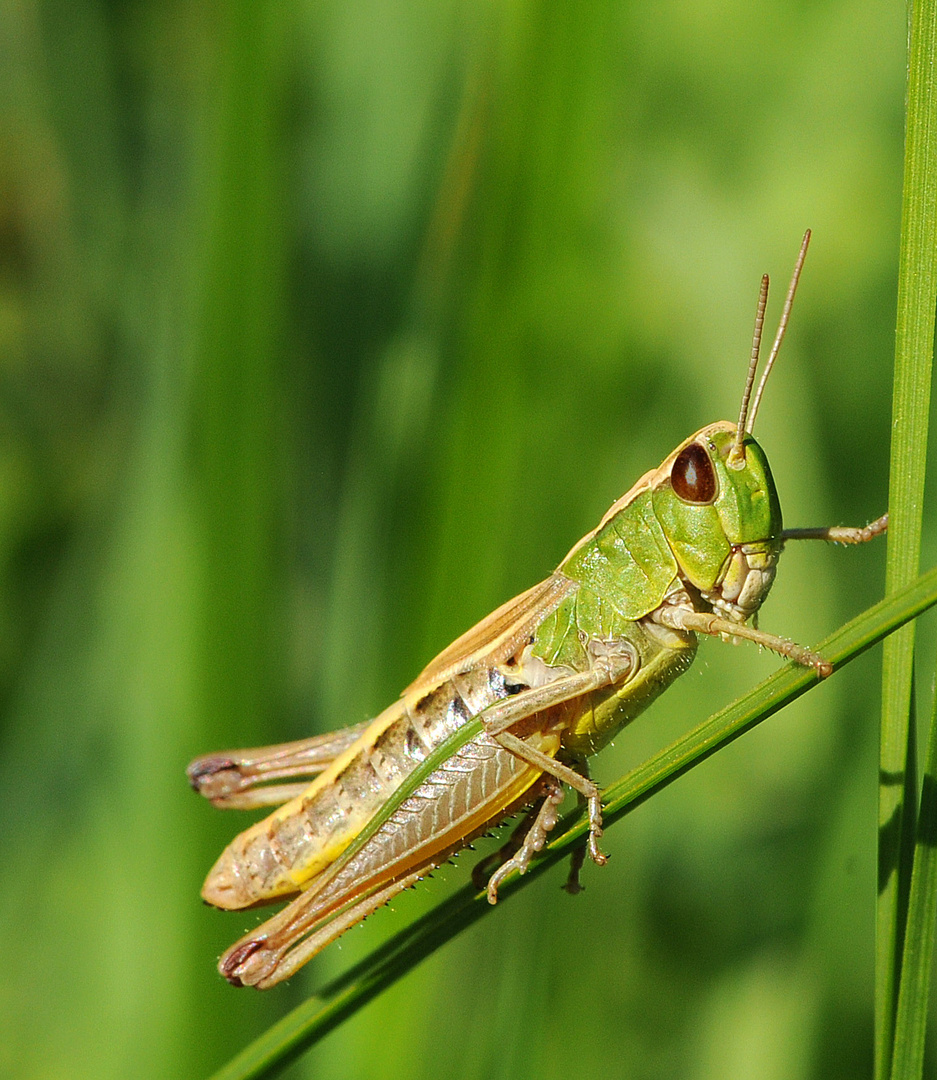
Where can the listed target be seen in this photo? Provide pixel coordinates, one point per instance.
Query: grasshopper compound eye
(692, 476)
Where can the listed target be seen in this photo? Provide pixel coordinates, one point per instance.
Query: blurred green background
(324, 329)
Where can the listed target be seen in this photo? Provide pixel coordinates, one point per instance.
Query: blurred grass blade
(911, 1018)
(314, 1018)
(917, 292)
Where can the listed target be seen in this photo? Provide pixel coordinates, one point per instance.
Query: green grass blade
(314, 1018)
(911, 1018)
(917, 292)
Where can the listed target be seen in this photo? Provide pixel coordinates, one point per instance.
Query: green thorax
(566, 639)
(653, 540)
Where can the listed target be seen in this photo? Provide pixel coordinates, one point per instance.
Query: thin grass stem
(917, 292)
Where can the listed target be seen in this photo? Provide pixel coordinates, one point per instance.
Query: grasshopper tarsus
(595, 830)
(484, 868)
(540, 825)
(596, 854)
(806, 658)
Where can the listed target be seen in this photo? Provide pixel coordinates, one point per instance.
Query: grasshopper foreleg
(840, 534)
(681, 617)
(610, 668)
(677, 617)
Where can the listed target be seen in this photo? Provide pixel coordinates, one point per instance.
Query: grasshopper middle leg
(558, 771)
(542, 822)
(609, 669)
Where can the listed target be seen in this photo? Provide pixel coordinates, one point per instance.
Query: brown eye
(692, 475)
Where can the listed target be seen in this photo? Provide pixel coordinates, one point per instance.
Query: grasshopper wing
(496, 637)
(237, 779)
(288, 851)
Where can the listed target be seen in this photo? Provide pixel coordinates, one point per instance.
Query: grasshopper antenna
(736, 457)
(782, 327)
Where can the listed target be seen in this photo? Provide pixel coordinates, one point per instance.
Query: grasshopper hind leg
(274, 952)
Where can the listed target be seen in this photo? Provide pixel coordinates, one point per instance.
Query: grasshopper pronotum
(553, 674)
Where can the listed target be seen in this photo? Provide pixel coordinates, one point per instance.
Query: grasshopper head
(716, 499)
(723, 523)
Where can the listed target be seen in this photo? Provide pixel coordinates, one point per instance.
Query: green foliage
(907, 888)
(325, 328)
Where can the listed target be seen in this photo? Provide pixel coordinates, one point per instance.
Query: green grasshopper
(548, 678)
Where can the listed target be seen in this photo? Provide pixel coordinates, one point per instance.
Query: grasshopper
(547, 680)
